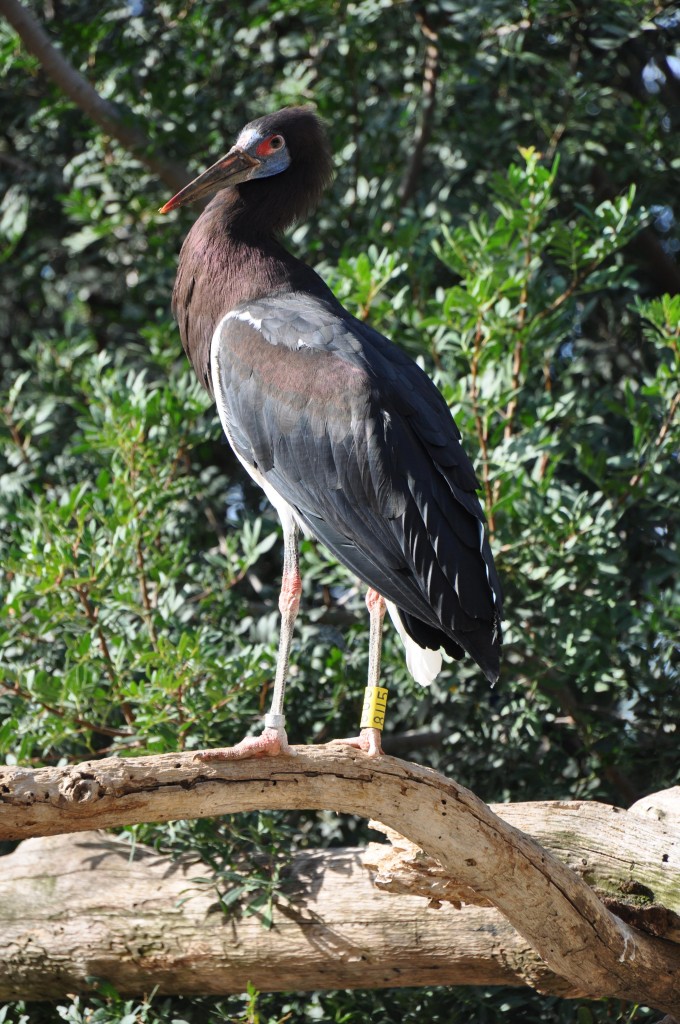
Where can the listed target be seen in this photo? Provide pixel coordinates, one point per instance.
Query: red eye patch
(270, 145)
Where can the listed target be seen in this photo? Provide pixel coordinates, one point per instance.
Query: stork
(349, 439)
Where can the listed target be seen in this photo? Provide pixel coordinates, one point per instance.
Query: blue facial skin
(276, 161)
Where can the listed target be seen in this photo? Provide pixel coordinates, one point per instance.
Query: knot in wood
(80, 789)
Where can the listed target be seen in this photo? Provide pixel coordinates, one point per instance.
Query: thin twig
(144, 589)
(576, 282)
(482, 430)
(517, 356)
(661, 436)
(20, 166)
(93, 618)
(18, 440)
(409, 182)
(83, 723)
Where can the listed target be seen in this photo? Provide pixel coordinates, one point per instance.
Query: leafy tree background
(505, 209)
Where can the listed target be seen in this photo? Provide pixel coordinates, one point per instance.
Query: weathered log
(548, 904)
(619, 859)
(74, 908)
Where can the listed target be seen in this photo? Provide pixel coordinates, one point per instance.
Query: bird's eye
(272, 144)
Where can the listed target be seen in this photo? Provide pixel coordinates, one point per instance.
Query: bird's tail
(423, 663)
(483, 644)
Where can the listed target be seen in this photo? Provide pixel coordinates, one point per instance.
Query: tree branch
(409, 182)
(78, 908)
(548, 904)
(107, 115)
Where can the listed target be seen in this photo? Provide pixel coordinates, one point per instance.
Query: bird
(348, 437)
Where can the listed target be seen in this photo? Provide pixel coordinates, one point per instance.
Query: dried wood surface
(548, 904)
(83, 905)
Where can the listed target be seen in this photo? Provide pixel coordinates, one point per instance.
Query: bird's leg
(289, 603)
(273, 739)
(369, 737)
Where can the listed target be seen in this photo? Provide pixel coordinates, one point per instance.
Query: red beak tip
(170, 205)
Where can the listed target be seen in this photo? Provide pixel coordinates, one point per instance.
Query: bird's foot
(270, 743)
(368, 740)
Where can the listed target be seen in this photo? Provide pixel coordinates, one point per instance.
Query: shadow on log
(82, 906)
(546, 902)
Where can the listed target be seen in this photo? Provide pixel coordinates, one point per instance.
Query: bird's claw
(270, 743)
(368, 740)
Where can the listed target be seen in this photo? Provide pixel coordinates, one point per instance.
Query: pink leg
(370, 739)
(273, 739)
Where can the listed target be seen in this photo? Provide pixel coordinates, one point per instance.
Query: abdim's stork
(347, 436)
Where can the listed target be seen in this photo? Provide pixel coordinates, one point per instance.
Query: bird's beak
(236, 166)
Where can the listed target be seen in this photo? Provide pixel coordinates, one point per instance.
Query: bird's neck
(227, 260)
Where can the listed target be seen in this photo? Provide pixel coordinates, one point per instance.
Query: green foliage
(394, 1006)
(580, 478)
(122, 621)
(528, 272)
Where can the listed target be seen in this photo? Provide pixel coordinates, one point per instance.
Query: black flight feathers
(358, 440)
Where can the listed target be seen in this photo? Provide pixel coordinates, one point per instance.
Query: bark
(107, 115)
(549, 905)
(619, 857)
(77, 907)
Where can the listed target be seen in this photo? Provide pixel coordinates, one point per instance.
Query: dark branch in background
(646, 246)
(83, 723)
(635, 54)
(79, 90)
(20, 166)
(409, 182)
(562, 695)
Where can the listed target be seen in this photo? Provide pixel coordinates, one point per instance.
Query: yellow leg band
(375, 704)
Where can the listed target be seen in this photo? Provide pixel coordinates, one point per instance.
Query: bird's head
(290, 145)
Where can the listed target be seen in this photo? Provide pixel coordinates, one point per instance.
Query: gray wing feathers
(360, 443)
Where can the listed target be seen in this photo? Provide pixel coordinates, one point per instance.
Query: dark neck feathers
(231, 256)
(233, 253)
